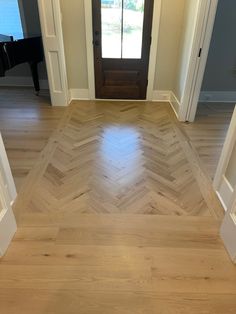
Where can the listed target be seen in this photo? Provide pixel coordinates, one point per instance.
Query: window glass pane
(133, 29)
(10, 20)
(111, 28)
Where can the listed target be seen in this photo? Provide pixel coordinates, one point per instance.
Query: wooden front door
(122, 39)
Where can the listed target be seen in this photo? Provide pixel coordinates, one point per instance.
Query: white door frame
(222, 186)
(7, 197)
(8, 178)
(228, 230)
(202, 39)
(153, 50)
(52, 34)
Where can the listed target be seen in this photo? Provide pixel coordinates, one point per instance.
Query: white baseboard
(79, 94)
(175, 104)
(218, 96)
(158, 95)
(167, 96)
(161, 95)
(21, 81)
(225, 193)
(8, 229)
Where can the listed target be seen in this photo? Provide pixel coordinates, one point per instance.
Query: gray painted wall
(220, 74)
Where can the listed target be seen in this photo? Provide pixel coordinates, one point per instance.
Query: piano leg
(35, 76)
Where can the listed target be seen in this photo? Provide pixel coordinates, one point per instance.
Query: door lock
(96, 43)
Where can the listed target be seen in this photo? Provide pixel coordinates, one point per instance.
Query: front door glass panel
(111, 16)
(122, 28)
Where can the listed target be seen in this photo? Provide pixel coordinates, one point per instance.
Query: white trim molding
(21, 81)
(89, 45)
(228, 230)
(79, 94)
(154, 47)
(8, 229)
(225, 192)
(7, 197)
(175, 104)
(7, 174)
(202, 38)
(221, 184)
(161, 95)
(167, 96)
(53, 42)
(218, 96)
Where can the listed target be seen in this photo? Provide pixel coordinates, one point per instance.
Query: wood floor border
(37, 171)
(201, 175)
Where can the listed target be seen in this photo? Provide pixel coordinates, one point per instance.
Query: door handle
(97, 33)
(96, 43)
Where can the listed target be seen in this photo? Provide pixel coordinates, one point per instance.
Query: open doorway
(23, 71)
(26, 125)
(26, 119)
(216, 98)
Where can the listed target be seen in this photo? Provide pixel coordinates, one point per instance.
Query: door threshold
(128, 100)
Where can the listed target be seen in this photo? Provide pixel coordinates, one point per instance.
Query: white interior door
(51, 26)
(225, 178)
(228, 231)
(7, 197)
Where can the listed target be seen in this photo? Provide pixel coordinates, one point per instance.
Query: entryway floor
(118, 215)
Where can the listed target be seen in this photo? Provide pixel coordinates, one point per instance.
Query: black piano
(14, 52)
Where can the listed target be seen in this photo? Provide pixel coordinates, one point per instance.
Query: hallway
(117, 217)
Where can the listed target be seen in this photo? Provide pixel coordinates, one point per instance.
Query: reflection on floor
(26, 123)
(208, 132)
(117, 217)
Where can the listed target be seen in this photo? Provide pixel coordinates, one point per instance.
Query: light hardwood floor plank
(116, 215)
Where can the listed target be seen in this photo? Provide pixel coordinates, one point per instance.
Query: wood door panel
(121, 78)
(120, 92)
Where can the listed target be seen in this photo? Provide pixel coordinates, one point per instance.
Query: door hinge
(200, 53)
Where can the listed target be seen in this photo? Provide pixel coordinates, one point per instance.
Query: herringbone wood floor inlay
(118, 158)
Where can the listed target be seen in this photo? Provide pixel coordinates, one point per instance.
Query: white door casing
(7, 174)
(196, 68)
(51, 27)
(228, 231)
(7, 197)
(224, 188)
